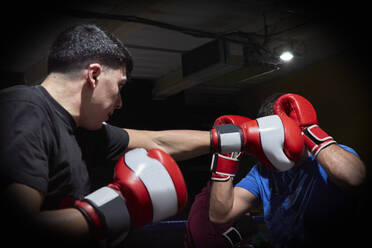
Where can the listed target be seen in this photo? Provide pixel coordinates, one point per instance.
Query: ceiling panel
(158, 32)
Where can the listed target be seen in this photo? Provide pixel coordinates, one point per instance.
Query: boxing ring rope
(181, 224)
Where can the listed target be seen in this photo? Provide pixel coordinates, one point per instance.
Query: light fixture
(286, 56)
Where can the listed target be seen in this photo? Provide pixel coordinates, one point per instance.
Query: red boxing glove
(148, 187)
(225, 165)
(231, 119)
(276, 141)
(226, 135)
(303, 113)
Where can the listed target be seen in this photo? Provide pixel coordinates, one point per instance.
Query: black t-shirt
(41, 146)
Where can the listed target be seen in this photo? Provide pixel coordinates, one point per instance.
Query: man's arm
(180, 144)
(227, 203)
(343, 168)
(24, 204)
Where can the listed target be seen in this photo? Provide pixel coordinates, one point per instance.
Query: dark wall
(338, 90)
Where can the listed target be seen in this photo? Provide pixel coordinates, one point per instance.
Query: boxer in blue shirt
(308, 204)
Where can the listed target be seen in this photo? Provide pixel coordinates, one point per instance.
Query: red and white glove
(148, 187)
(275, 141)
(303, 113)
(225, 165)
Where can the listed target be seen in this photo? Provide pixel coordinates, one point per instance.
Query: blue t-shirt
(300, 205)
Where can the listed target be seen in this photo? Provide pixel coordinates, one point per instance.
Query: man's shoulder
(21, 106)
(19, 93)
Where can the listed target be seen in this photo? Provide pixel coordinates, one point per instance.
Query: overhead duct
(212, 60)
(217, 66)
(201, 64)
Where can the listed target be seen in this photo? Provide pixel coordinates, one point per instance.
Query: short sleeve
(103, 144)
(250, 183)
(24, 145)
(349, 149)
(117, 140)
(322, 172)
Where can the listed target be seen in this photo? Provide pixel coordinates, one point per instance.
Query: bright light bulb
(286, 56)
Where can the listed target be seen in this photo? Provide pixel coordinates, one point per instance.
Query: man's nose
(119, 102)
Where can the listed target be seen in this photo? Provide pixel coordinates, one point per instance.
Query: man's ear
(94, 70)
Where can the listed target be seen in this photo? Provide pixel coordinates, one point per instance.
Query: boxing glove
(275, 140)
(224, 166)
(226, 135)
(148, 187)
(303, 113)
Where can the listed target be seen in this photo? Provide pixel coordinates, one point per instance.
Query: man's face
(305, 155)
(105, 97)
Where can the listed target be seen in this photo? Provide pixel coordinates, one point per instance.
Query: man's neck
(66, 92)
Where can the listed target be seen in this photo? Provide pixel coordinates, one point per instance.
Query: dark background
(338, 87)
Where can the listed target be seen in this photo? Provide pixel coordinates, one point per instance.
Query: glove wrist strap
(106, 211)
(226, 138)
(316, 139)
(223, 167)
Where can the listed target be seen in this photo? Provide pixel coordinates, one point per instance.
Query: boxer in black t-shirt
(51, 133)
(46, 139)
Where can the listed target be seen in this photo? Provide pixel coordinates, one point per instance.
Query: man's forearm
(343, 168)
(180, 144)
(65, 224)
(221, 201)
(22, 209)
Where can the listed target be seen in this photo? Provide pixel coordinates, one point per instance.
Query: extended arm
(180, 144)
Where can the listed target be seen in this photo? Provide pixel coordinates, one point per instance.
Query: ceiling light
(286, 56)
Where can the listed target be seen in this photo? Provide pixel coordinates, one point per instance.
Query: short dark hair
(267, 106)
(82, 44)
